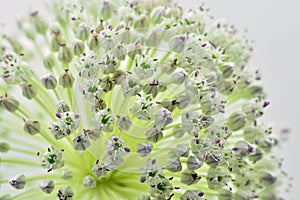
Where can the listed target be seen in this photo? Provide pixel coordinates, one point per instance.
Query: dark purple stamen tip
(201, 194)
(127, 149)
(142, 179)
(68, 131)
(58, 115)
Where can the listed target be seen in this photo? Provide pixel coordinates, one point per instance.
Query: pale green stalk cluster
(136, 100)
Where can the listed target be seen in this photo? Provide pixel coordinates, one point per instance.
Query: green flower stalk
(133, 100)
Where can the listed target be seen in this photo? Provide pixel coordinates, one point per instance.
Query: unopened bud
(194, 163)
(66, 79)
(189, 177)
(49, 81)
(144, 149)
(94, 41)
(66, 174)
(65, 193)
(107, 84)
(92, 134)
(142, 23)
(174, 165)
(47, 186)
(182, 150)
(4, 147)
(9, 103)
(32, 127)
(28, 90)
(106, 9)
(177, 43)
(267, 178)
(65, 54)
(49, 62)
(119, 77)
(78, 47)
(124, 123)
(154, 134)
(236, 121)
(154, 38)
(227, 70)
(157, 14)
(81, 142)
(40, 25)
(89, 182)
(179, 76)
(83, 32)
(18, 182)
(62, 107)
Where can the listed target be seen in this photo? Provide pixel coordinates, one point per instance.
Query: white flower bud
(157, 14)
(154, 134)
(89, 182)
(236, 121)
(177, 43)
(154, 38)
(78, 47)
(94, 41)
(32, 127)
(182, 150)
(119, 77)
(66, 79)
(18, 182)
(183, 101)
(178, 132)
(189, 177)
(56, 42)
(65, 54)
(174, 165)
(83, 32)
(47, 186)
(66, 174)
(49, 61)
(62, 107)
(163, 117)
(267, 178)
(28, 90)
(49, 81)
(9, 103)
(124, 122)
(119, 52)
(65, 193)
(179, 76)
(192, 194)
(40, 25)
(142, 23)
(217, 178)
(81, 142)
(144, 149)
(194, 163)
(92, 134)
(106, 9)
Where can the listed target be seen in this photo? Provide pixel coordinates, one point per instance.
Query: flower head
(151, 103)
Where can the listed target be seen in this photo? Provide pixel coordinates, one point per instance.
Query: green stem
(46, 108)
(19, 162)
(24, 151)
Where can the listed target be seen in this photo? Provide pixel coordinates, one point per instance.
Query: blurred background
(275, 28)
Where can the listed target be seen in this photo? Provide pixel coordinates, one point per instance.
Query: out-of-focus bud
(49, 81)
(66, 79)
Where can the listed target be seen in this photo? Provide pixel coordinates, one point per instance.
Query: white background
(274, 25)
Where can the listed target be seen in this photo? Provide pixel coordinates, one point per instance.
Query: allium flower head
(130, 99)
